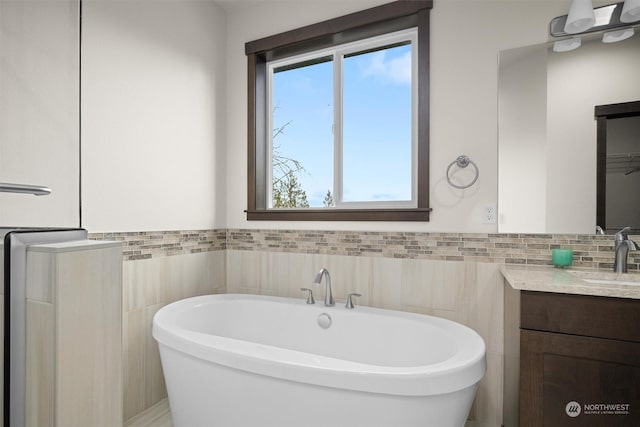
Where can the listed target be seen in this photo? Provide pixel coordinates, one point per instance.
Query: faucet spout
(622, 247)
(328, 296)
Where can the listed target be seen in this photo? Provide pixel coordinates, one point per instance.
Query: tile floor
(160, 416)
(156, 416)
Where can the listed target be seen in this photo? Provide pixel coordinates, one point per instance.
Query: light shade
(617, 36)
(630, 11)
(581, 17)
(567, 44)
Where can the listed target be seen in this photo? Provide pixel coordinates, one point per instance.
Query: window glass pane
(302, 103)
(377, 125)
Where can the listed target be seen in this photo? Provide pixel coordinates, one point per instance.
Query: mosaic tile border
(590, 251)
(151, 244)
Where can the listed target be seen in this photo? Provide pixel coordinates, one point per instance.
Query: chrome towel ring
(462, 162)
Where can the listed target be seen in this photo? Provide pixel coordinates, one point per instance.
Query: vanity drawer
(589, 316)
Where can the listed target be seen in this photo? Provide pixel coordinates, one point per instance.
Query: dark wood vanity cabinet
(579, 360)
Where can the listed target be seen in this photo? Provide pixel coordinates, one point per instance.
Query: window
(340, 126)
(339, 131)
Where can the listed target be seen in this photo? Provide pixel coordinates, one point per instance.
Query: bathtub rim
(465, 369)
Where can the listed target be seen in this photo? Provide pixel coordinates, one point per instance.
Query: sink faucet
(328, 296)
(623, 245)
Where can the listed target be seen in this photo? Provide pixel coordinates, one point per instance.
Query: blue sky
(377, 125)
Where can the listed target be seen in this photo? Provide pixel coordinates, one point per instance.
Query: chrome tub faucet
(622, 248)
(328, 296)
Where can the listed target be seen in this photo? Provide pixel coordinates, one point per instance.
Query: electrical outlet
(489, 214)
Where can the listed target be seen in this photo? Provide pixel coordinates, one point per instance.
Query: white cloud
(396, 70)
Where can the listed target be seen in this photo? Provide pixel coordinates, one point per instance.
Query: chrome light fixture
(606, 18)
(615, 21)
(630, 11)
(581, 17)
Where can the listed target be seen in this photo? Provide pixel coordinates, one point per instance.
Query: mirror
(618, 204)
(547, 162)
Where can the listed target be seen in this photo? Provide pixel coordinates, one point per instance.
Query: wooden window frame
(379, 20)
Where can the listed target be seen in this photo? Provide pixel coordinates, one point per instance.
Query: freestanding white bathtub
(249, 360)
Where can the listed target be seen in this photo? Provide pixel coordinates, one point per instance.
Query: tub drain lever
(310, 299)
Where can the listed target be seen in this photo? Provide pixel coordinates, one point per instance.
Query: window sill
(414, 214)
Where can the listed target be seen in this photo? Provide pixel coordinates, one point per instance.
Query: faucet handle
(349, 303)
(310, 299)
(622, 234)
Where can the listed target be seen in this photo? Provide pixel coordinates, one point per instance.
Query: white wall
(39, 111)
(153, 115)
(164, 110)
(466, 37)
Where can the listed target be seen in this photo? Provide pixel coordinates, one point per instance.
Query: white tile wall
(74, 335)
(148, 285)
(466, 292)
(469, 292)
(40, 364)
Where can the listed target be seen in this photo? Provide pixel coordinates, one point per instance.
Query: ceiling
(234, 5)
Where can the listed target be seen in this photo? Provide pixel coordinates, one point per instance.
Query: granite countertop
(567, 281)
